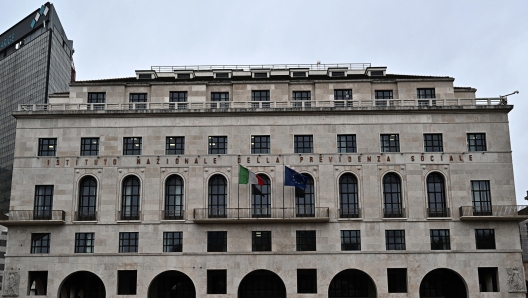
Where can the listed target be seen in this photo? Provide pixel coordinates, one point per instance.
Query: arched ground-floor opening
(443, 283)
(352, 283)
(82, 284)
(262, 284)
(171, 284)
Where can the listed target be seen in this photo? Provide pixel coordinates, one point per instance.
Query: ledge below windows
(253, 215)
(33, 218)
(494, 213)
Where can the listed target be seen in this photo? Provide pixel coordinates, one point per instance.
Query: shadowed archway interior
(171, 284)
(82, 284)
(352, 283)
(442, 283)
(262, 284)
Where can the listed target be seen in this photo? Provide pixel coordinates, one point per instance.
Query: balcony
(393, 212)
(494, 213)
(350, 213)
(438, 212)
(86, 216)
(253, 215)
(134, 215)
(172, 214)
(33, 218)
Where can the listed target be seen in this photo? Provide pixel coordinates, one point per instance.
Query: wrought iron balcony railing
(85, 215)
(33, 217)
(172, 214)
(393, 212)
(495, 212)
(350, 213)
(309, 214)
(129, 215)
(438, 212)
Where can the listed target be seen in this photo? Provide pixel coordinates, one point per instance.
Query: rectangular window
(343, 98)
(216, 281)
(172, 241)
(395, 239)
(132, 146)
(89, 146)
(433, 142)
(218, 145)
(303, 143)
(261, 240)
(35, 289)
(180, 99)
(128, 241)
(476, 142)
(260, 144)
(138, 97)
(381, 97)
(397, 280)
(260, 95)
(485, 238)
(302, 96)
(217, 241)
(346, 143)
(47, 147)
(40, 243)
(390, 143)
(97, 99)
(219, 100)
(84, 242)
(350, 240)
(126, 282)
(43, 205)
(488, 277)
(426, 93)
(175, 145)
(307, 281)
(305, 240)
(481, 198)
(440, 240)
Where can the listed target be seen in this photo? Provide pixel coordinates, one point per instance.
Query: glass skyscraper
(36, 59)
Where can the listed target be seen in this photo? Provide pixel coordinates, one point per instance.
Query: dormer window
(222, 74)
(376, 73)
(299, 74)
(184, 76)
(260, 74)
(145, 76)
(338, 73)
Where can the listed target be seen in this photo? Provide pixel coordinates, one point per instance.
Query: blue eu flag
(293, 178)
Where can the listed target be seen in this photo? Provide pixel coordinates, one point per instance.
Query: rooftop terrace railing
(225, 105)
(318, 66)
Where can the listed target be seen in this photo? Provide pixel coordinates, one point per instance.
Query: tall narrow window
(173, 198)
(217, 196)
(261, 98)
(47, 147)
(302, 96)
(305, 199)
(480, 193)
(436, 200)
(392, 200)
(180, 97)
(348, 196)
(261, 198)
(87, 199)
(43, 202)
(131, 199)
(219, 100)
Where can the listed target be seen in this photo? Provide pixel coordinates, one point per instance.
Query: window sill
(84, 222)
(350, 219)
(394, 218)
(127, 221)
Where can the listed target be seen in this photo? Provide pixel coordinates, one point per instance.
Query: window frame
(44, 147)
(348, 196)
(97, 100)
(305, 198)
(306, 281)
(481, 242)
(130, 198)
(173, 241)
(264, 144)
(174, 198)
(217, 145)
(132, 142)
(431, 144)
(436, 195)
(88, 147)
(342, 100)
(303, 144)
(218, 195)
(214, 285)
(40, 243)
(127, 243)
(343, 145)
(178, 144)
(87, 200)
(306, 240)
(216, 241)
(138, 101)
(350, 240)
(389, 146)
(84, 242)
(43, 202)
(260, 98)
(392, 196)
(481, 200)
(440, 239)
(261, 198)
(178, 100)
(383, 98)
(395, 276)
(264, 241)
(476, 142)
(219, 100)
(395, 240)
(300, 97)
(131, 275)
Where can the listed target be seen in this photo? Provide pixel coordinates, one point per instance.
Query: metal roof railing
(318, 66)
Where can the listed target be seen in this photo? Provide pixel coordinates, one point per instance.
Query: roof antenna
(504, 98)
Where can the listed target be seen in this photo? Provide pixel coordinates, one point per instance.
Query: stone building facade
(130, 187)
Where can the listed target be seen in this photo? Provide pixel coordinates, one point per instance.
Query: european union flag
(292, 178)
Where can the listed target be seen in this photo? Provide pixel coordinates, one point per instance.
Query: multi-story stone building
(36, 59)
(131, 187)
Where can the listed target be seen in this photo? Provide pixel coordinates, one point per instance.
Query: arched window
(436, 202)
(305, 199)
(261, 198)
(348, 196)
(130, 200)
(87, 199)
(392, 201)
(217, 196)
(173, 198)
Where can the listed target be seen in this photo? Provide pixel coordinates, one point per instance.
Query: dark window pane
(84, 242)
(390, 143)
(47, 147)
(217, 241)
(433, 143)
(172, 242)
(350, 240)
(261, 240)
(346, 143)
(175, 145)
(132, 146)
(395, 239)
(128, 242)
(476, 142)
(303, 143)
(218, 145)
(306, 241)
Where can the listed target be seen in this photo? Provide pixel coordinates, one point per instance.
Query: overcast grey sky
(482, 44)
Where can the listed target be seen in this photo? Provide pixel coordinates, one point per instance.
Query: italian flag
(245, 176)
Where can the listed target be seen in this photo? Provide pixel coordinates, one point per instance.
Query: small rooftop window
(260, 75)
(297, 74)
(338, 73)
(184, 76)
(145, 76)
(376, 73)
